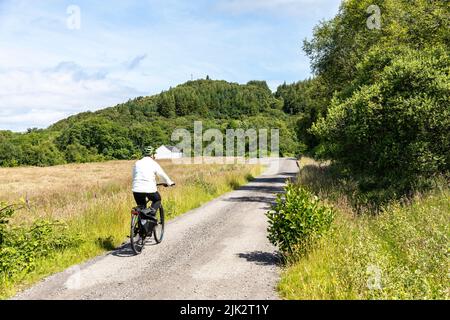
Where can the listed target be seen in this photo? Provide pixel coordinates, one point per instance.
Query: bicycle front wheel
(158, 231)
(136, 239)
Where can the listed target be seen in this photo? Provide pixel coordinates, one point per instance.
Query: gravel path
(217, 251)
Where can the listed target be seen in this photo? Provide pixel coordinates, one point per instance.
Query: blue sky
(125, 49)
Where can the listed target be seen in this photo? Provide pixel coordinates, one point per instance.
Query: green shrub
(22, 246)
(5, 214)
(297, 220)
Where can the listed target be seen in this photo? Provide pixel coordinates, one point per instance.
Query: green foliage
(216, 99)
(43, 154)
(121, 132)
(22, 246)
(399, 254)
(10, 154)
(166, 105)
(78, 153)
(36, 148)
(6, 213)
(305, 100)
(393, 131)
(297, 221)
(387, 122)
(341, 43)
(104, 136)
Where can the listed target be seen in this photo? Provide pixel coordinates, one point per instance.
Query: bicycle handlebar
(165, 185)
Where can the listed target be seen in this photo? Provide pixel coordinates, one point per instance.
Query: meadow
(399, 252)
(92, 202)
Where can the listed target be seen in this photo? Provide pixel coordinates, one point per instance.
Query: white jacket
(144, 176)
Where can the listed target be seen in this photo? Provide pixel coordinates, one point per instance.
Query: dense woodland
(121, 132)
(378, 104)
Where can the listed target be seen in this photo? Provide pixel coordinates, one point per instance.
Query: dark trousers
(142, 199)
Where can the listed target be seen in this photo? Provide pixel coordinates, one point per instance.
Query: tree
(393, 131)
(43, 154)
(340, 44)
(79, 154)
(306, 101)
(10, 154)
(166, 105)
(387, 120)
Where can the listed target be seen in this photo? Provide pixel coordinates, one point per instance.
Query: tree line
(122, 132)
(387, 91)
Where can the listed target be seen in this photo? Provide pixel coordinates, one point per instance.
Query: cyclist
(145, 172)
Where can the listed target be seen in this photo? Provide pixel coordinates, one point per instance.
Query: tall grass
(100, 213)
(400, 253)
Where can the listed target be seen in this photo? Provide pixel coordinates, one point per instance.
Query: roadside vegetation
(297, 222)
(382, 134)
(68, 214)
(399, 253)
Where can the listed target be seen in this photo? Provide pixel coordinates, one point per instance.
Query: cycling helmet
(149, 151)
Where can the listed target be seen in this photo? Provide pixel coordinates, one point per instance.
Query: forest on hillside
(377, 105)
(121, 132)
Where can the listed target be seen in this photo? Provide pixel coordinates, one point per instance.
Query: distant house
(168, 152)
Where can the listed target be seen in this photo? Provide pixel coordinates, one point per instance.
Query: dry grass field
(65, 192)
(50, 189)
(41, 183)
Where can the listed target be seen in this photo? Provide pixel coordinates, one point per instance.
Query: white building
(168, 152)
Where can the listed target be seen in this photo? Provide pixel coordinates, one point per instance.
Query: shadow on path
(264, 185)
(125, 250)
(261, 258)
(261, 199)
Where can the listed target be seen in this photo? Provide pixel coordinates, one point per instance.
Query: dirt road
(217, 251)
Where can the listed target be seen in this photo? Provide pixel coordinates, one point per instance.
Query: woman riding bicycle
(144, 187)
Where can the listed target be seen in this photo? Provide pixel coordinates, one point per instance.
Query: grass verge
(400, 253)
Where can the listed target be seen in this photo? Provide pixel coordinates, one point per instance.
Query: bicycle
(144, 223)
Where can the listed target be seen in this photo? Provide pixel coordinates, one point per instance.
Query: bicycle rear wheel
(136, 239)
(158, 231)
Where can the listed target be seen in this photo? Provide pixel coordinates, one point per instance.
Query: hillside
(204, 98)
(120, 132)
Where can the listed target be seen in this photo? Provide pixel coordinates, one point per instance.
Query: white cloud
(36, 98)
(34, 118)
